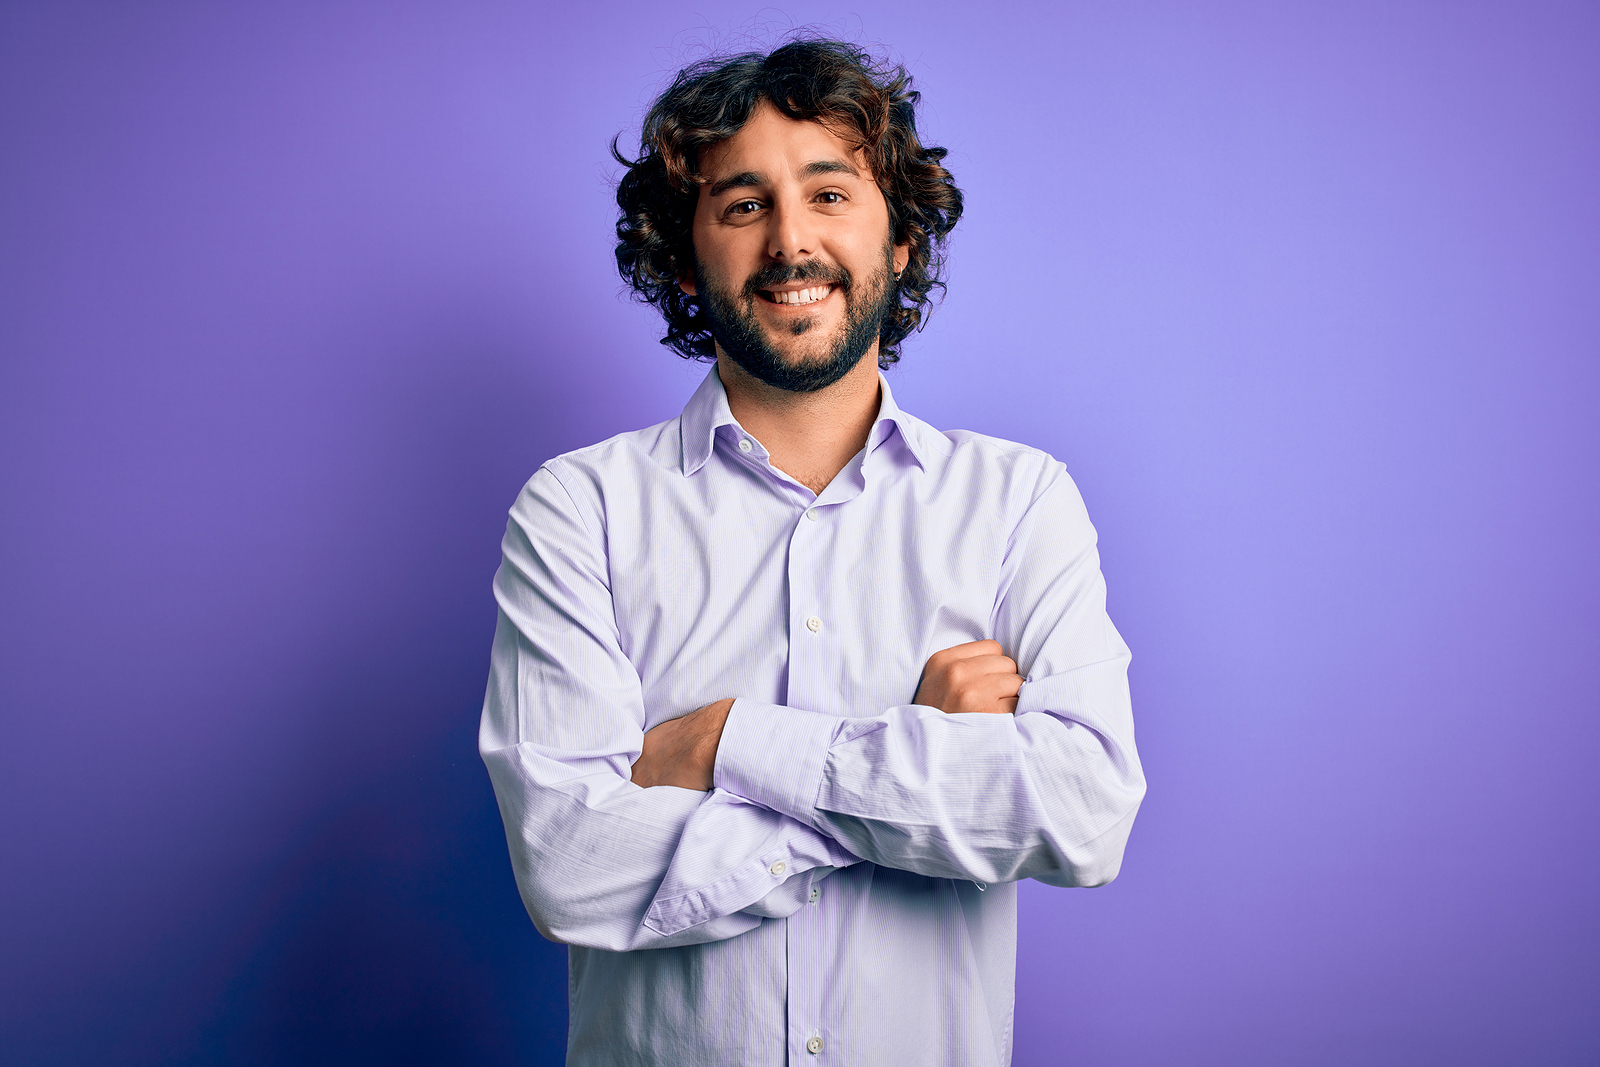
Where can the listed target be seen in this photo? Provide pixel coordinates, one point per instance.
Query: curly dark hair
(862, 99)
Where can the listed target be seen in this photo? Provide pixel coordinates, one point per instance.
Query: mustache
(809, 270)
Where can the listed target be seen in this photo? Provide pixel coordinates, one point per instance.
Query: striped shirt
(846, 894)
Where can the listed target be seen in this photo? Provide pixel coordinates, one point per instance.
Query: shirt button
(814, 1046)
(745, 445)
(779, 867)
(811, 513)
(813, 624)
(816, 893)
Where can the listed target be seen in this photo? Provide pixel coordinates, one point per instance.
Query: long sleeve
(673, 566)
(1049, 793)
(599, 861)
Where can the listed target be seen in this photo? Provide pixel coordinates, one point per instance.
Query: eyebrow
(749, 178)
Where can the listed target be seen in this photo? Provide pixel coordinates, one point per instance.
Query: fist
(975, 676)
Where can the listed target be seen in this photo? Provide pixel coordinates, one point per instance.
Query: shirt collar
(707, 410)
(913, 431)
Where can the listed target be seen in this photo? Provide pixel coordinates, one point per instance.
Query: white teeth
(803, 296)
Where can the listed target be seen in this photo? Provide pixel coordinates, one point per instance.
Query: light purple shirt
(846, 894)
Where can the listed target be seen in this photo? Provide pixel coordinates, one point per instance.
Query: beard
(742, 337)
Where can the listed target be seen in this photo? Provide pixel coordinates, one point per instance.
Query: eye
(831, 197)
(744, 207)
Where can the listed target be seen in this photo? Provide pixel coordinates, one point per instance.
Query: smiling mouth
(797, 297)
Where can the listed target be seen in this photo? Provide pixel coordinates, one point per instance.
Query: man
(788, 692)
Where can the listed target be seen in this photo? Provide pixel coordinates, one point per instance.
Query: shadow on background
(391, 933)
(306, 865)
(389, 929)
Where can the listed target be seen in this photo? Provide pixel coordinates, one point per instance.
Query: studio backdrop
(295, 296)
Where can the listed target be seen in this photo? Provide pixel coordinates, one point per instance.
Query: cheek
(869, 241)
(727, 253)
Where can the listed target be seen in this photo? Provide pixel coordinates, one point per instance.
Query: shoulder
(626, 455)
(1018, 474)
(580, 480)
(1026, 489)
(1011, 457)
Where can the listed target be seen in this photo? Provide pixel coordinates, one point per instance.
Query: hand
(683, 751)
(975, 676)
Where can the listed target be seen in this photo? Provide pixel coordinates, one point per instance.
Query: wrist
(716, 717)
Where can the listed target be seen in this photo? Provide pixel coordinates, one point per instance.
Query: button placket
(814, 622)
(811, 936)
(813, 662)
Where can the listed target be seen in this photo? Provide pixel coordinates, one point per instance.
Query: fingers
(994, 694)
(974, 669)
(945, 657)
(994, 687)
(972, 677)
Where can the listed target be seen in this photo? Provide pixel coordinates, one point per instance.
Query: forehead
(776, 146)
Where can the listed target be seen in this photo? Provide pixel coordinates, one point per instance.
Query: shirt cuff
(774, 755)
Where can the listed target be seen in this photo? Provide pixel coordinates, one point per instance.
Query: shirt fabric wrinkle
(817, 889)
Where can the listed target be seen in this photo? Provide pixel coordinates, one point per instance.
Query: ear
(902, 256)
(686, 283)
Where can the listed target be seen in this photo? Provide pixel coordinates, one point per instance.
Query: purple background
(293, 297)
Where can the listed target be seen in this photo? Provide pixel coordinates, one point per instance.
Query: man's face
(793, 256)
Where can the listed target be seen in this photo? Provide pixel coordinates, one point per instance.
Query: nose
(791, 236)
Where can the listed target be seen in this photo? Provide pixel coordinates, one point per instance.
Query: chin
(815, 349)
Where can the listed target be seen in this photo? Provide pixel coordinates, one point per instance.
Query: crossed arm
(1047, 791)
(972, 677)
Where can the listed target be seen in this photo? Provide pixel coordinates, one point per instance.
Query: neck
(808, 436)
